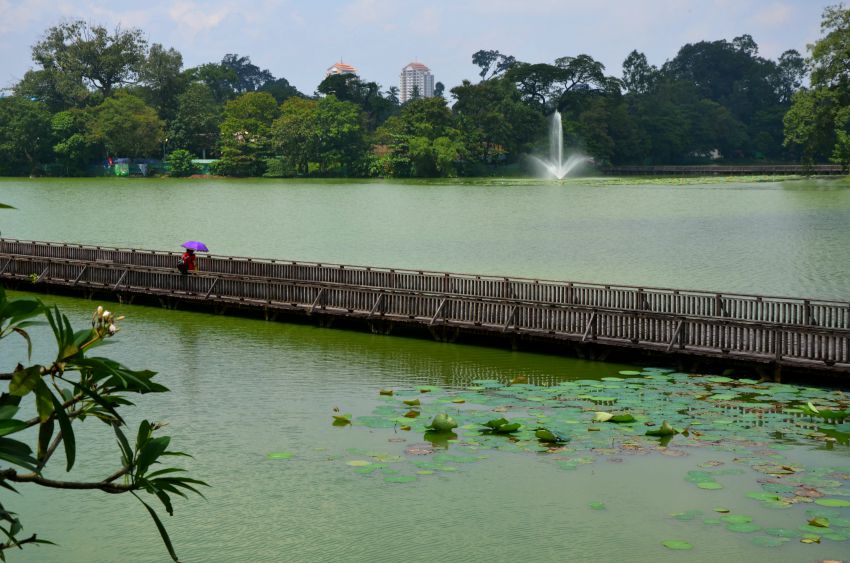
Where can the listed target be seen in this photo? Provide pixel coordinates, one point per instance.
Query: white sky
(298, 39)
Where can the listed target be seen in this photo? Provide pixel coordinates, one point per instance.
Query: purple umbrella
(195, 245)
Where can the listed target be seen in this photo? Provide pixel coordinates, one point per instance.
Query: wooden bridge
(771, 332)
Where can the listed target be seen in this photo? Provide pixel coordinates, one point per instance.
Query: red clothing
(189, 260)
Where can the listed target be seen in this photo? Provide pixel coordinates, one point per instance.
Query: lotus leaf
(385, 392)
(832, 502)
(411, 402)
(664, 430)
(400, 478)
(737, 519)
(769, 541)
(743, 527)
(597, 505)
(280, 455)
(622, 418)
(358, 463)
(546, 435)
(443, 423)
(677, 544)
(819, 522)
(342, 419)
(710, 485)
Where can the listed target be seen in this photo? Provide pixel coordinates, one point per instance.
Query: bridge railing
(776, 342)
(807, 312)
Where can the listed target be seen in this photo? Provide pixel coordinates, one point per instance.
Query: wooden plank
(80, 275)
(215, 281)
(439, 310)
(378, 301)
(591, 324)
(316, 301)
(120, 279)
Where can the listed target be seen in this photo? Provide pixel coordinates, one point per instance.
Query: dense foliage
(95, 94)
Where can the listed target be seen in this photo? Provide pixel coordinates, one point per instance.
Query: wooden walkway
(775, 331)
(729, 170)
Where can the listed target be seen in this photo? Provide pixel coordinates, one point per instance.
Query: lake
(743, 483)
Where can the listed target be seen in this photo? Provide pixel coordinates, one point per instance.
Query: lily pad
(358, 463)
(710, 485)
(597, 505)
(676, 544)
(769, 541)
(832, 502)
(280, 455)
(400, 478)
(743, 528)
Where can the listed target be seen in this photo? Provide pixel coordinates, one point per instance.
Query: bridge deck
(761, 329)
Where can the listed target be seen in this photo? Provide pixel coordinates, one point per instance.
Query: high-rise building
(340, 68)
(416, 77)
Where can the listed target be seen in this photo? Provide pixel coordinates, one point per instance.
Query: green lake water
(242, 389)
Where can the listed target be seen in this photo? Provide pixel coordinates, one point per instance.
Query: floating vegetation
(759, 430)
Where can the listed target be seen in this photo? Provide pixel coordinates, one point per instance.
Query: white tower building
(416, 75)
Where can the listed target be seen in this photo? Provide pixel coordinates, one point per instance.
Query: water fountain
(555, 165)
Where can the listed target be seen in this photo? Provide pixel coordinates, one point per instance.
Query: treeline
(95, 94)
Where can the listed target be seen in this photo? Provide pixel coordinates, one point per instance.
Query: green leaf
(677, 544)
(43, 400)
(45, 432)
(622, 418)
(10, 426)
(150, 453)
(68, 438)
(8, 411)
(24, 380)
(26, 337)
(17, 452)
(833, 502)
(162, 532)
(126, 451)
(143, 435)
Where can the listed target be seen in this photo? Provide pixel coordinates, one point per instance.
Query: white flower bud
(112, 329)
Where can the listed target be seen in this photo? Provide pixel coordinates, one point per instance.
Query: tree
(327, 132)
(638, 75)
(57, 90)
(421, 140)
(830, 53)
(102, 60)
(281, 89)
(196, 125)
(163, 80)
(75, 386)
(367, 95)
(492, 63)
(126, 126)
(25, 135)
(788, 78)
(294, 133)
(392, 95)
(246, 134)
(221, 80)
(810, 123)
(817, 122)
(249, 77)
(495, 122)
(73, 147)
(180, 163)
